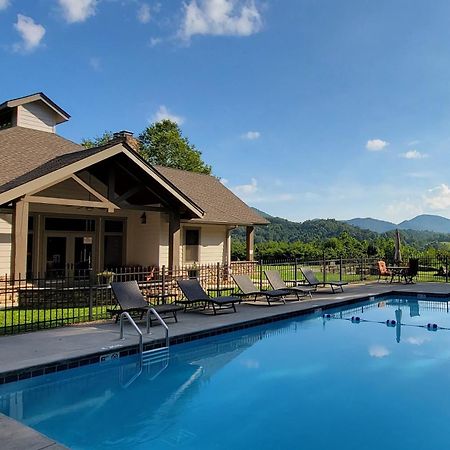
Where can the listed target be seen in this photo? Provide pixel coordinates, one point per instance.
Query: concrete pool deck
(33, 354)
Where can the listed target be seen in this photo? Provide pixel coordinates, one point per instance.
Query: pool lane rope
(389, 322)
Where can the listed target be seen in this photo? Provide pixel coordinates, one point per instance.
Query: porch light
(144, 218)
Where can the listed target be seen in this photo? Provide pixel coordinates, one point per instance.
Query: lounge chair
(275, 280)
(195, 295)
(130, 299)
(313, 281)
(248, 289)
(383, 271)
(412, 270)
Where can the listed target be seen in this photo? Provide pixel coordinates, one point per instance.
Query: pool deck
(32, 354)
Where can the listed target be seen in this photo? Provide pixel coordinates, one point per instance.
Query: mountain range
(424, 222)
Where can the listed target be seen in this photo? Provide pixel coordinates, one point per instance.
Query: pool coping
(32, 371)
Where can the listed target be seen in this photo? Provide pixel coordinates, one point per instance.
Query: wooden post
(20, 238)
(174, 240)
(250, 239)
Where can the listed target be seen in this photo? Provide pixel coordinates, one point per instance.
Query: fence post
(446, 269)
(260, 274)
(163, 282)
(90, 299)
(218, 279)
(295, 271)
(324, 269)
(361, 268)
(340, 268)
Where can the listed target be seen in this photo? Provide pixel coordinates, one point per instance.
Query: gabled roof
(36, 155)
(218, 202)
(30, 156)
(63, 116)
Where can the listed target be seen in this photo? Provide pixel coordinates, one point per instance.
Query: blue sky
(306, 108)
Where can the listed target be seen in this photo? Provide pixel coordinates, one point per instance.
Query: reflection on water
(274, 383)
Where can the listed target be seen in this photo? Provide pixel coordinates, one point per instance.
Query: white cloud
(77, 10)
(4, 4)
(143, 13)
(417, 340)
(378, 351)
(95, 63)
(30, 32)
(439, 197)
(376, 145)
(224, 181)
(413, 154)
(246, 189)
(220, 17)
(412, 143)
(251, 135)
(154, 41)
(163, 113)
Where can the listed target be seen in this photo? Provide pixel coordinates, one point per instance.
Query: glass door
(69, 256)
(56, 260)
(82, 257)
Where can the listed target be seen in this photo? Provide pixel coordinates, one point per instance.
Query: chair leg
(234, 307)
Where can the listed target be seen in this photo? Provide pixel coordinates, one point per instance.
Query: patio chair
(248, 289)
(411, 271)
(275, 280)
(130, 299)
(383, 271)
(195, 295)
(313, 281)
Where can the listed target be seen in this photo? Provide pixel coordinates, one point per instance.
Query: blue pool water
(307, 383)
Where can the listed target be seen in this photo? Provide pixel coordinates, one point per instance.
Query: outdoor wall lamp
(144, 218)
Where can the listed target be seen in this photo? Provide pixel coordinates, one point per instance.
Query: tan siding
(67, 189)
(36, 116)
(143, 239)
(212, 242)
(5, 243)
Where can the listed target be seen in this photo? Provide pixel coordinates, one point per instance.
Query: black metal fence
(33, 303)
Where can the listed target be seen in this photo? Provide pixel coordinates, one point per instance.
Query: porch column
(20, 238)
(250, 240)
(174, 239)
(228, 246)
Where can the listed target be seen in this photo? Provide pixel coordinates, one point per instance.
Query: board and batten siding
(37, 116)
(5, 243)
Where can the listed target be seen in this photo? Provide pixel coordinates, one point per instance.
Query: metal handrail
(161, 321)
(139, 332)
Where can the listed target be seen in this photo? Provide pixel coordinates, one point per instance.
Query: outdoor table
(397, 271)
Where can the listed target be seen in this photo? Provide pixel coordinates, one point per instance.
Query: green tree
(97, 141)
(162, 143)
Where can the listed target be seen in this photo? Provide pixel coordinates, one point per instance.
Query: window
(191, 245)
(68, 224)
(113, 244)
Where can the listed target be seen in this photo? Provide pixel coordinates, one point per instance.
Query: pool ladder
(149, 355)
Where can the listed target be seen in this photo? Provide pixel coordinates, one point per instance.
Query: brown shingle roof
(26, 154)
(218, 202)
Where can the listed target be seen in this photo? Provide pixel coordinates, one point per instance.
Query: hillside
(367, 223)
(427, 222)
(283, 230)
(424, 222)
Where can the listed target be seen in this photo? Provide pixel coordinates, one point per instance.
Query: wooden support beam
(70, 202)
(20, 231)
(250, 241)
(174, 240)
(128, 194)
(111, 206)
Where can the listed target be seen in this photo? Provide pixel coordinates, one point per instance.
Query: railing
(161, 321)
(126, 315)
(38, 302)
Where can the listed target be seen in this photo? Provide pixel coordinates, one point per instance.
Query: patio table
(397, 271)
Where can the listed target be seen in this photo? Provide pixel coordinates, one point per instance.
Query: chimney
(128, 138)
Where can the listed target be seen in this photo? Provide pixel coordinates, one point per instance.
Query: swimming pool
(312, 383)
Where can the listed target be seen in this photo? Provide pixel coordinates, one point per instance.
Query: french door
(69, 255)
